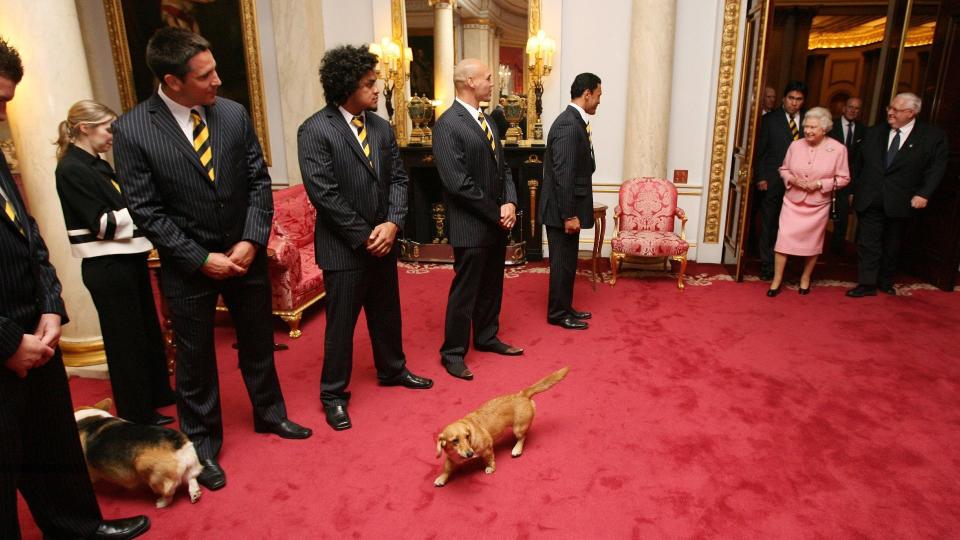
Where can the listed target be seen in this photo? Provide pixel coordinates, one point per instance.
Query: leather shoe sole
(337, 417)
(409, 380)
(122, 528)
(503, 348)
(212, 476)
(581, 315)
(569, 323)
(460, 372)
(286, 429)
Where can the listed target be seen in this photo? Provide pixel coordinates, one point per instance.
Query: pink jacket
(826, 162)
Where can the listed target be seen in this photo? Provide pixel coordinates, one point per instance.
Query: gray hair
(822, 116)
(913, 101)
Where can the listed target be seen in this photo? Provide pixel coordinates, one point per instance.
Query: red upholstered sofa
(295, 278)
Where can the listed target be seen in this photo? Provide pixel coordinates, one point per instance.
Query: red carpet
(712, 413)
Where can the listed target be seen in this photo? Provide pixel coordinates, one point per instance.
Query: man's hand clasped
(508, 216)
(234, 262)
(381, 239)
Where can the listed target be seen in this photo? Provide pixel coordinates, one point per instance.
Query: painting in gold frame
(229, 25)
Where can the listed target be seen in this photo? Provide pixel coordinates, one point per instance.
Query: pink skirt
(802, 228)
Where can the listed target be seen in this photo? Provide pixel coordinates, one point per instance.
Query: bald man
(481, 202)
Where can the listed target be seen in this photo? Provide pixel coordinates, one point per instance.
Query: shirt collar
(348, 116)
(180, 113)
(907, 128)
(583, 113)
(80, 154)
(474, 112)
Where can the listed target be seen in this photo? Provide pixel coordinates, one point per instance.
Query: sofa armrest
(282, 252)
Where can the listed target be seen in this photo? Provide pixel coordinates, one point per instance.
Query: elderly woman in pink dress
(814, 166)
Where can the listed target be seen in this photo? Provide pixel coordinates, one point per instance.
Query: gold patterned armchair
(644, 225)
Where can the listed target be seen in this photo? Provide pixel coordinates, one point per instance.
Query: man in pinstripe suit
(353, 174)
(195, 182)
(481, 202)
(40, 452)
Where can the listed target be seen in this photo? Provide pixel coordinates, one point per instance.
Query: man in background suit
(900, 169)
(769, 100)
(850, 131)
(566, 202)
(196, 183)
(778, 129)
(354, 176)
(481, 202)
(40, 453)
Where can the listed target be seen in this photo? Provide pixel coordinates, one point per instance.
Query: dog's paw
(440, 481)
(164, 502)
(195, 496)
(516, 453)
(489, 470)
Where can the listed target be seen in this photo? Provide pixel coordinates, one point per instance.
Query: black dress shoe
(862, 290)
(773, 292)
(287, 429)
(569, 323)
(802, 291)
(459, 371)
(337, 417)
(408, 380)
(161, 419)
(580, 315)
(500, 348)
(888, 290)
(212, 476)
(131, 527)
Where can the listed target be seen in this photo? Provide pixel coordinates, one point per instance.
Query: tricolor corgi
(129, 454)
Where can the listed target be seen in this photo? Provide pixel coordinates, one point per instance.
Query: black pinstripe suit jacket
(476, 180)
(172, 200)
(351, 195)
(568, 172)
(773, 140)
(28, 282)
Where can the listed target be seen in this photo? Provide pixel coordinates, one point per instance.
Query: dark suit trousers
(840, 227)
(878, 245)
(40, 455)
(770, 205)
(198, 392)
(121, 290)
(476, 295)
(563, 271)
(376, 290)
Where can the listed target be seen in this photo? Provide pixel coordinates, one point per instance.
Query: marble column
(478, 40)
(443, 63)
(298, 62)
(47, 35)
(650, 73)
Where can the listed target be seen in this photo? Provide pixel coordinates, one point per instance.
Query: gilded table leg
(293, 322)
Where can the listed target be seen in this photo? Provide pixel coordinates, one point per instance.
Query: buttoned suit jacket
(917, 168)
(773, 141)
(859, 132)
(476, 180)
(351, 194)
(568, 171)
(172, 199)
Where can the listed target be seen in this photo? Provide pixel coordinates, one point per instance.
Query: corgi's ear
(441, 442)
(104, 405)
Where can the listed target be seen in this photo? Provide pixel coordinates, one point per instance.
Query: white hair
(822, 116)
(913, 101)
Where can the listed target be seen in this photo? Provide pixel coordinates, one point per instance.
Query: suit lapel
(340, 124)
(578, 120)
(163, 119)
(465, 116)
(10, 189)
(906, 147)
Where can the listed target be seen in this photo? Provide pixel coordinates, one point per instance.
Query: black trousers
(376, 290)
(40, 455)
(840, 227)
(878, 245)
(563, 271)
(121, 291)
(476, 295)
(198, 390)
(769, 213)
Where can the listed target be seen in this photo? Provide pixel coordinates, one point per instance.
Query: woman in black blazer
(114, 266)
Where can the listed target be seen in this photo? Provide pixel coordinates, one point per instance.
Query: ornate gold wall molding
(82, 354)
(721, 120)
(398, 34)
(533, 26)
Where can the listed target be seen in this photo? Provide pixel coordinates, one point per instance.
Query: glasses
(896, 110)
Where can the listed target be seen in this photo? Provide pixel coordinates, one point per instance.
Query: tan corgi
(130, 455)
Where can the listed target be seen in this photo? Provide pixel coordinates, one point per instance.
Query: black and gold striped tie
(486, 130)
(201, 143)
(362, 135)
(793, 128)
(590, 136)
(11, 213)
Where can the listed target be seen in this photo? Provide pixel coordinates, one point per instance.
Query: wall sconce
(391, 56)
(540, 51)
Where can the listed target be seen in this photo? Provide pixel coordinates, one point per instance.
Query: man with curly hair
(40, 453)
(353, 174)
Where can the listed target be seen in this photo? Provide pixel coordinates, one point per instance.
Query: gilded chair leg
(683, 269)
(615, 260)
(293, 321)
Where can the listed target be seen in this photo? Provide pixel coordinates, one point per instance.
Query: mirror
(494, 31)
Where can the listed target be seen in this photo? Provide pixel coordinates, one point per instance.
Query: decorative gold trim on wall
(721, 120)
(87, 353)
(533, 26)
(397, 16)
(123, 67)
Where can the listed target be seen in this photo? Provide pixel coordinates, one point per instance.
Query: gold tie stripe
(793, 129)
(590, 136)
(486, 130)
(116, 186)
(201, 143)
(12, 214)
(362, 135)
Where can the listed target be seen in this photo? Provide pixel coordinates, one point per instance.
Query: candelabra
(540, 51)
(391, 56)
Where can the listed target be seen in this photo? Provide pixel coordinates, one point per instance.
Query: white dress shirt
(904, 133)
(474, 112)
(182, 115)
(348, 116)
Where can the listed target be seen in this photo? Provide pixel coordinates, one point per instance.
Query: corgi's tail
(545, 383)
